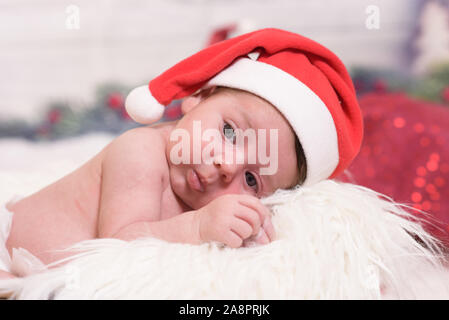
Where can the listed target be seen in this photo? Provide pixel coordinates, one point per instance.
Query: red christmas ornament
(221, 34)
(54, 116)
(380, 86)
(115, 101)
(124, 115)
(173, 113)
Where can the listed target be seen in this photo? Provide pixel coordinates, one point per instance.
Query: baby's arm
(229, 219)
(131, 191)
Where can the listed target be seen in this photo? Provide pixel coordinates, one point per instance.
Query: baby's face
(208, 156)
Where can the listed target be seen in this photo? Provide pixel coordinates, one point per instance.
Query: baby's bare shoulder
(141, 148)
(146, 138)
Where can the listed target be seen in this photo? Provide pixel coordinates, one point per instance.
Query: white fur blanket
(334, 241)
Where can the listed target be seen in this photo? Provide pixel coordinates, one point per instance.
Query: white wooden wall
(132, 41)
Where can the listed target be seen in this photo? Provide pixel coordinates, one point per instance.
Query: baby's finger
(242, 228)
(252, 217)
(232, 239)
(269, 229)
(254, 203)
(262, 237)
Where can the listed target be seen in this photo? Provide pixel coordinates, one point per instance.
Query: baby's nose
(227, 169)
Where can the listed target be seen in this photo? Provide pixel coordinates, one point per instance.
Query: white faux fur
(334, 241)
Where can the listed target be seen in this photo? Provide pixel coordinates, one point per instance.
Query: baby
(262, 111)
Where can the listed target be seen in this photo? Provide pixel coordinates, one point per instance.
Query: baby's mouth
(194, 181)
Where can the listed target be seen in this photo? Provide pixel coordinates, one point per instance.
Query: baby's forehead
(250, 105)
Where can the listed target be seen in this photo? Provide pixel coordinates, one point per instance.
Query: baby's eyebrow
(247, 117)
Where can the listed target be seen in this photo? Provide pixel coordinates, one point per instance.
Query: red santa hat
(304, 80)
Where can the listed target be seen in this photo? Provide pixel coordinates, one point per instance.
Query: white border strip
(306, 112)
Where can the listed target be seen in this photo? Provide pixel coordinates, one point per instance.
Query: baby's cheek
(233, 188)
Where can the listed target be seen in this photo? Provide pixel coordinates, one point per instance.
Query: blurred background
(52, 50)
(66, 67)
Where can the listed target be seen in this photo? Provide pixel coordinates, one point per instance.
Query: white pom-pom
(142, 107)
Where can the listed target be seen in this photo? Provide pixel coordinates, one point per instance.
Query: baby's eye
(251, 180)
(229, 132)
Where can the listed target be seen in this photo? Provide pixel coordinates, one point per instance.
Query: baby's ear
(191, 102)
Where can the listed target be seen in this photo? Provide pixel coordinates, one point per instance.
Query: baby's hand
(230, 219)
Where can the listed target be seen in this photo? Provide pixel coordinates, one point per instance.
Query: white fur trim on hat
(142, 107)
(305, 111)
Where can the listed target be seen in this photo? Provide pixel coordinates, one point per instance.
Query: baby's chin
(192, 203)
(181, 191)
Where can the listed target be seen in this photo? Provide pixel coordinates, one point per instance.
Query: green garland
(108, 114)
